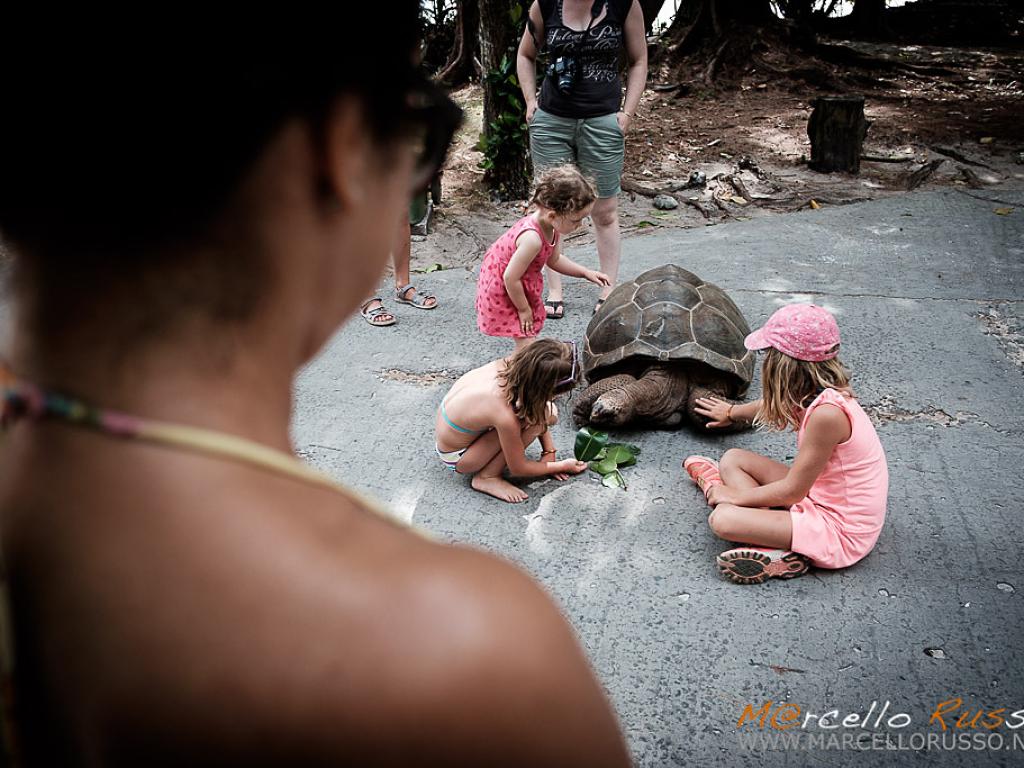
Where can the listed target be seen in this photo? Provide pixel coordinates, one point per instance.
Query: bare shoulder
(499, 667)
(528, 239)
(829, 422)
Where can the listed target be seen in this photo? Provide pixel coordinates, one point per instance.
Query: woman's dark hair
(531, 376)
(121, 145)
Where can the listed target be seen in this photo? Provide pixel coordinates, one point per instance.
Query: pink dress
(496, 315)
(838, 522)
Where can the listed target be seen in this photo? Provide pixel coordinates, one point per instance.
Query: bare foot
(499, 489)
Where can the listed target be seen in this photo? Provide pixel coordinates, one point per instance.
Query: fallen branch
(669, 87)
(971, 178)
(628, 185)
(950, 152)
(632, 187)
(721, 206)
(740, 187)
(916, 178)
(885, 159)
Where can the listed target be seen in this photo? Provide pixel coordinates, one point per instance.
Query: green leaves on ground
(623, 454)
(613, 480)
(605, 458)
(589, 444)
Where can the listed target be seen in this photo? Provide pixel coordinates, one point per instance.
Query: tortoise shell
(668, 314)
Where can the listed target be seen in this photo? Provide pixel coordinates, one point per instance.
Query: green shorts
(594, 144)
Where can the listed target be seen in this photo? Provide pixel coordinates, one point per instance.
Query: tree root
(843, 54)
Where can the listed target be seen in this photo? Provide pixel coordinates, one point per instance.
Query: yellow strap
(222, 445)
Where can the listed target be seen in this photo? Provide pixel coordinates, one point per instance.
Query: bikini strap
(24, 400)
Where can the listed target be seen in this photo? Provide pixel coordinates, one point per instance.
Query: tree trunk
(651, 9)
(461, 65)
(868, 18)
(505, 142)
(837, 128)
(700, 22)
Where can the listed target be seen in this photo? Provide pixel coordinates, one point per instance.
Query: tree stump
(837, 128)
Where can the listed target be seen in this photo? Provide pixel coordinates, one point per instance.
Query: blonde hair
(789, 385)
(563, 189)
(530, 378)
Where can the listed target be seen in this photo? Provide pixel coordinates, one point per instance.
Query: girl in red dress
(511, 284)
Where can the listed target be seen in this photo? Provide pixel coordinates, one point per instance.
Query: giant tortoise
(657, 344)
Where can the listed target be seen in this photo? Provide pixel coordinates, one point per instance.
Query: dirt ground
(954, 116)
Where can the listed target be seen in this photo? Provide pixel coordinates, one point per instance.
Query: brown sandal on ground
(378, 316)
(554, 310)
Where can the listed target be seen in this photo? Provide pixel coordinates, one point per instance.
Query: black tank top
(597, 85)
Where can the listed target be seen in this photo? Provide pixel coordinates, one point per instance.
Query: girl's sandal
(554, 310)
(597, 306)
(755, 565)
(418, 300)
(372, 315)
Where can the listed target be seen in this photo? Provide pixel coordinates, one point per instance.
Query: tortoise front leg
(582, 410)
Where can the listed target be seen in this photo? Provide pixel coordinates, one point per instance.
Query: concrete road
(929, 293)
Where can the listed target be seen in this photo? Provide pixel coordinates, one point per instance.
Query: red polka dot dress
(496, 315)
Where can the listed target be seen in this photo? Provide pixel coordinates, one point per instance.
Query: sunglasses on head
(571, 378)
(433, 119)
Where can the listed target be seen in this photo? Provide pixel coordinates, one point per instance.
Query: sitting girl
(493, 412)
(511, 284)
(828, 508)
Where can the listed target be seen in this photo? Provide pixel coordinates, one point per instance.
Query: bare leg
(745, 469)
(753, 525)
(489, 479)
(485, 461)
(554, 281)
(401, 255)
(609, 240)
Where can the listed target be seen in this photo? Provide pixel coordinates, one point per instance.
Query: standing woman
(190, 221)
(581, 117)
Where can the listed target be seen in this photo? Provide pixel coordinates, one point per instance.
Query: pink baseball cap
(804, 331)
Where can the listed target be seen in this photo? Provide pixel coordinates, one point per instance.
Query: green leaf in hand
(589, 444)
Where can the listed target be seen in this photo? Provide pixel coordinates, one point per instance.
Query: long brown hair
(789, 385)
(531, 376)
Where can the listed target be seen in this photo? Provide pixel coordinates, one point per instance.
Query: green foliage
(589, 444)
(505, 140)
(613, 480)
(605, 458)
(623, 454)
